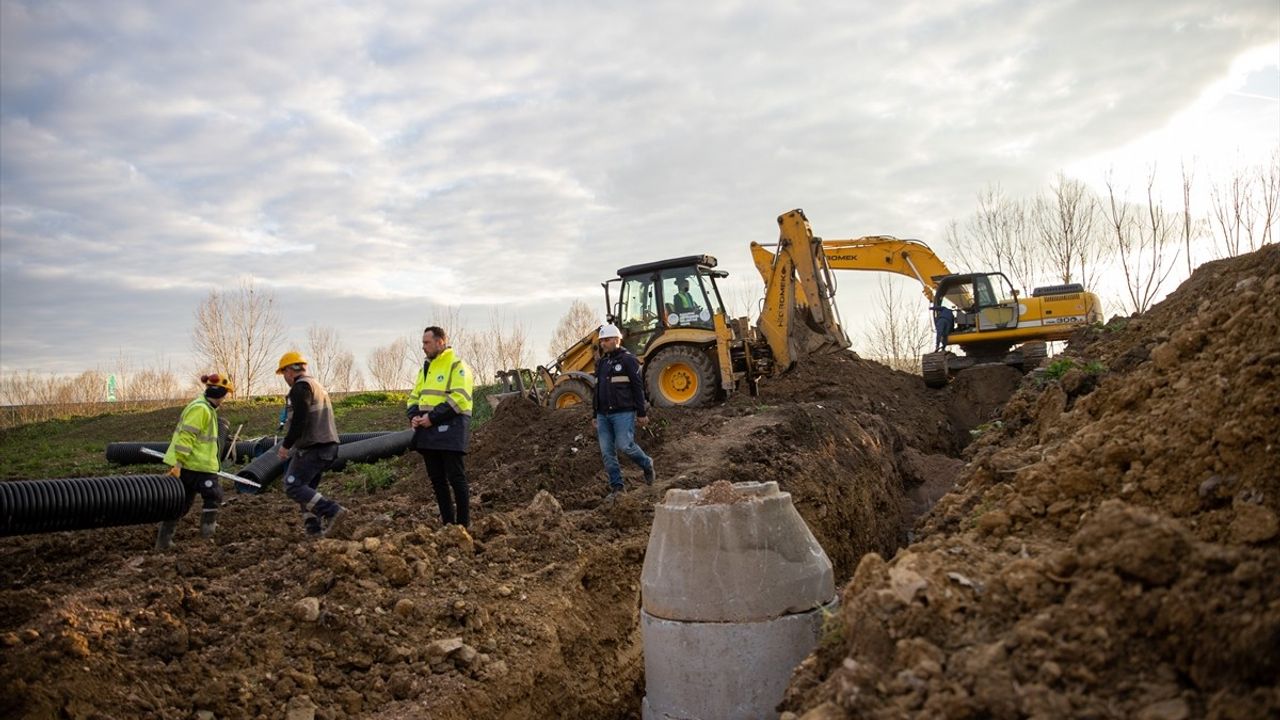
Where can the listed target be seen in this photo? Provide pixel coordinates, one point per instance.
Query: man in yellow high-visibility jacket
(193, 455)
(439, 411)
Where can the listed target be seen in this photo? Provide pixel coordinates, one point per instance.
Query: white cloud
(516, 154)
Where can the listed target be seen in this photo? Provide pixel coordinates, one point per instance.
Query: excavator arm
(885, 253)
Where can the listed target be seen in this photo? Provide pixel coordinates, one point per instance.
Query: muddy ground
(1111, 552)
(1112, 548)
(404, 619)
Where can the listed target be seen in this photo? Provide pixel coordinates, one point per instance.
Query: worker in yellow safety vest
(439, 410)
(193, 457)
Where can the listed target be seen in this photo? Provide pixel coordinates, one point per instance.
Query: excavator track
(934, 368)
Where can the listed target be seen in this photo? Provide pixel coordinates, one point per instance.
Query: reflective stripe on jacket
(442, 392)
(194, 445)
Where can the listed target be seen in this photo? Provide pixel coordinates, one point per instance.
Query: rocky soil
(1112, 549)
(403, 619)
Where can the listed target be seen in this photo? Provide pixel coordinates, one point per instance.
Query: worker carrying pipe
(193, 455)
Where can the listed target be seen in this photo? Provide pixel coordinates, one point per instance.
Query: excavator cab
(983, 301)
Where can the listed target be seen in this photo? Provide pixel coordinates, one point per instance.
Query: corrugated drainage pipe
(267, 467)
(40, 506)
(374, 449)
(130, 453)
(264, 469)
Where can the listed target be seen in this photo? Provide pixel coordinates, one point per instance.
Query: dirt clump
(721, 492)
(1112, 548)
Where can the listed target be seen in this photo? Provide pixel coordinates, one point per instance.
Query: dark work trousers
(303, 477)
(205, 485)
(448, 473)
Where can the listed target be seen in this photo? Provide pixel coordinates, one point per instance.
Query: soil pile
(404, 619)
(1113, 549)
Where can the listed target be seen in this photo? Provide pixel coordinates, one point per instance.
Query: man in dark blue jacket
(619, 407)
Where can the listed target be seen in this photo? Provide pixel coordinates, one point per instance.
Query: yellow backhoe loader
(990, 318)
(673, 318)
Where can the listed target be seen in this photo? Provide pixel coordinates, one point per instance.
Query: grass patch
(985, 428)
(371, 477)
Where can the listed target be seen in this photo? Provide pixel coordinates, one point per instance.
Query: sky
(372, 163)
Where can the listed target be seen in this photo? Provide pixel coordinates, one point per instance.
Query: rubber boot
(208, 523)
(164, 539)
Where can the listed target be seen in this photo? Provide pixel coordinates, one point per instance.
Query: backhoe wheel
(1032, 353)
(568, 394)
(934, 368)
(680, 377)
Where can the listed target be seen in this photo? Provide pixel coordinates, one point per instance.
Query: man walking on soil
(312, 443)
(193, 453)
(619, 406)
(439, 410)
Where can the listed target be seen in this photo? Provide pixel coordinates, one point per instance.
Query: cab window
(685, 301)
(638, 313)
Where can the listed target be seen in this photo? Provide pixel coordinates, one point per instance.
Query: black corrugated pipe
(264, 469)
(345, 438)
(375, 448)
(40, 506)
(130, 453)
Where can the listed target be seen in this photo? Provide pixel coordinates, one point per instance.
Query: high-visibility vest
(446, 380)
(194, 445)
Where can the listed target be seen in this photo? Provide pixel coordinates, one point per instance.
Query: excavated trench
(535, 615)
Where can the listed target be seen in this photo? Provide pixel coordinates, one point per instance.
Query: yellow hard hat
(293, 357)
(218, 380)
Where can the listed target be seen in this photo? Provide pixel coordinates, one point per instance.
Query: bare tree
(500, 346)
(1232, 213)
(387, 365)
(998, 237)
(1143, 236)
(1066, 225)
(346, 376)
(578, 321)
(1269, 190)
(323, 350)
(900, 333)
(238, 333)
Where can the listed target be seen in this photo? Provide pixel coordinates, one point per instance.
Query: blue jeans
(617, 433)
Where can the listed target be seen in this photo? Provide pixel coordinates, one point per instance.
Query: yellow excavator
(673, 319)
(992, 323)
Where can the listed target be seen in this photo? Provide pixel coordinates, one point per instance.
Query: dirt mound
(1113, 548)
(404, 619)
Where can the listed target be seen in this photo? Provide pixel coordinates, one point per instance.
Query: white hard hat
(609, 330)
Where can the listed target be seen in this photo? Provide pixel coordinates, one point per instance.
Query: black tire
(568, 394)
(681, 376)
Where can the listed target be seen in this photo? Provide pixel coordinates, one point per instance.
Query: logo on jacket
(439, 378)
(617, 368)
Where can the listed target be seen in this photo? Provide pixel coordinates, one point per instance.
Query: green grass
(1061, 366)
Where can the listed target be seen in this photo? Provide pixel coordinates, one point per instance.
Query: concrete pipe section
(734, 589)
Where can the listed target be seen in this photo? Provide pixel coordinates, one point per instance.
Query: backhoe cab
(669, 312)
(672, 318)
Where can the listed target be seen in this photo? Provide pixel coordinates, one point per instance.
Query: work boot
(208, 523)
(612, 497)
(334, 521)
(164, 539)
(311, 526)
(649, 474)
